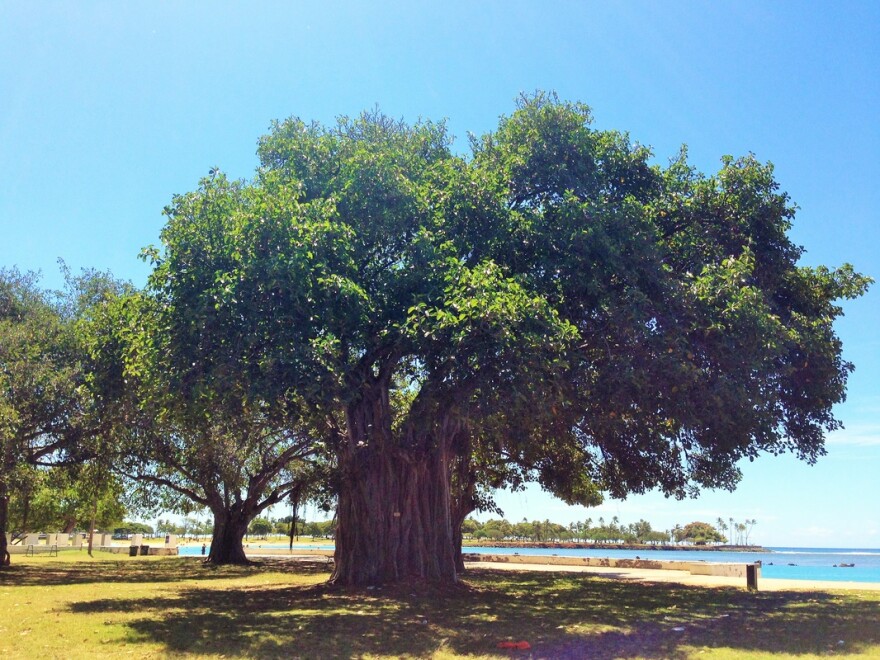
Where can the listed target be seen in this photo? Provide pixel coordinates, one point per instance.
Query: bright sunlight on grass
(73, 606)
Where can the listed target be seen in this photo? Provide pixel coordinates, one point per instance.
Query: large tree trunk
(227, 539)
(394, 520)
(4, 522)
(393, 516)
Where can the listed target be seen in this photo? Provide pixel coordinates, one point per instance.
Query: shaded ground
(281, 608)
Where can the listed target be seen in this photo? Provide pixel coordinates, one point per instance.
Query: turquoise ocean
(787, 563)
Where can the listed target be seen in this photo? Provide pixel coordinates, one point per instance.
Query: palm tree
(676, 534)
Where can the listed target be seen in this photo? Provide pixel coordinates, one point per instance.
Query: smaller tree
(128, 527)
(642, 530)
(469, 527)
(46, 408)
(64, 499)
(656, 537)
(320, 528)
(699, 533)
(188, 439)
(260, 527)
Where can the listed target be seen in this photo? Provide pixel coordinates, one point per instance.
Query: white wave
(828, 551)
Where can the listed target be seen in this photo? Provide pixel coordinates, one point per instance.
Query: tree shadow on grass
(661, 620)
(789, 623)
(138, 570)
(561, 615)
(306, 621)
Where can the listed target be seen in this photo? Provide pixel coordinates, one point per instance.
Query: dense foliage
(48, 416)
(411, 328)
(556, 307)
(66, 498)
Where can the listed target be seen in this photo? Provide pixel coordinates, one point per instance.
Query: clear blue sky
(107, 109)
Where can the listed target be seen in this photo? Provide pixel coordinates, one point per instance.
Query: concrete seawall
(692, 567)
(734, 570)
(156, 550)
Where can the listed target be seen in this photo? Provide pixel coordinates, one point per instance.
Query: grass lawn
(72, 606)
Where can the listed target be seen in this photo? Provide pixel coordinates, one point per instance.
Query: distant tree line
(260, 527)
(739, 531)
(263, 527)
(600, 531)
(586, 531)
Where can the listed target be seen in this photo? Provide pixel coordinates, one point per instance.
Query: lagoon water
(788, 563)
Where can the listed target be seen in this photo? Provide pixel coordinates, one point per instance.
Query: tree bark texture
(393, 515)
(462, 500)
(4, 522)
(92, 519)
(394, 521)
(227, 539)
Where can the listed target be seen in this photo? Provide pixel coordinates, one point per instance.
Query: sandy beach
(683, 577)
(636, 574)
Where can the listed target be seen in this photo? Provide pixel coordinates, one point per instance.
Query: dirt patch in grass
(281, 608)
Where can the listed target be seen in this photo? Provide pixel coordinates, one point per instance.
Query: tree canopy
(47, 412)
(555, 307)
(377, 318)
(204, 444)
(65, 499)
